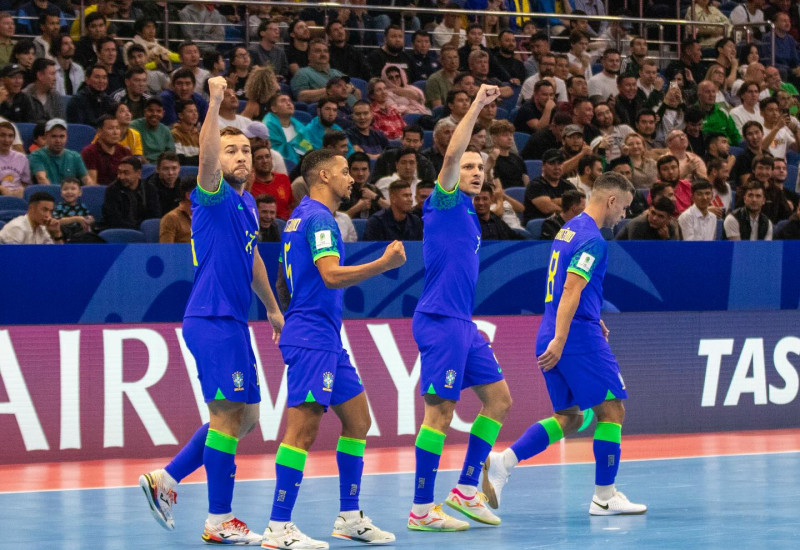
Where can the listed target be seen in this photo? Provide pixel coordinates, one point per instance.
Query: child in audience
(72, 214)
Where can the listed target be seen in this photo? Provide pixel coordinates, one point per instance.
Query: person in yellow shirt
(108, 8)
(131, 138)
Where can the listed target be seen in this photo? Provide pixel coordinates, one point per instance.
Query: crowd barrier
(111, 391)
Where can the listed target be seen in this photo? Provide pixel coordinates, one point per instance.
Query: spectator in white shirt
(780, 132)
(697, 222)
(604, 83)
(749, 109)
(37, 226)
(449, 31)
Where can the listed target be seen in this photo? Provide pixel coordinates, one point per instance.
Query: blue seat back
(516, 193)
(122, 236)
(791, 177)
(25, 133)
(53, 190)
(151, 228)
(360, 225)
(79, 136)
(12, 203)
(188, 172)
(520, 139)
(148, 170)
(93, 197)
(303, 117)
(362, 86)
(534, 227)
(10, 214)
(534, 168)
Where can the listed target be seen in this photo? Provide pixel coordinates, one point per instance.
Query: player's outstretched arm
(262, 289)
(341, 276)
(451, 167)
(567, 306)
(209, 172)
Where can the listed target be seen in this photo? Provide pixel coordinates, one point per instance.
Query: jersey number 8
(551, 276)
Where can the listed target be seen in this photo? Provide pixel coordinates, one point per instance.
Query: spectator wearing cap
(749, 223)
(573, 202)
(6, 37)
(652, 225)
(156, 137)
(69, 74)
(343, 56)
(15, 172)
(338, 89)
(266, 181)
(362, 136)
(91, 102)
(103, 157)
(543, 194)
(308, 84)
(286, 133)
(36, 226)
(134, 94)
(257, 132)
(185, 133)
(54, 162)
(129, 200)
(183, 88)
(17, 106)
(507, 166)
(574, 148)
(46, 101)
(549, 137)
(697, 222)
(267, 49)
(176, 225)
(589, 169)
(395, 223)
(493, 228)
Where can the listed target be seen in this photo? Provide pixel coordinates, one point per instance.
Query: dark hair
(55, 44)
(542, 83)
(693, 115)
(210, 57)
(571, 198)
(644, 112)
(688, 41)
(610, 51)
(186, 44)
(414, 129)
(397, 185)
(722, 41)
(266, 198)
(102, 120)
(751, 185)
(744, 51)
(485, 188)
(154, 100)
(587, 161)
(332, 137)
(715, 164)
(105, 40)
(41, 196)
(766, 101)
(313, 162)
(49, 11)
(743, 88)
(423, 33)
(22, 46)
(576, 36)
(134, 48)
(167, 155)
(187, 185)
(130, 73)
(659, 188)
(623, 76)
(666, 159)
(561, 119)
(133, 162)
(619, 161)
(613, 181)
(663, 204)
(140, 24)
(180, 105)
(426, 184)
(451, 96)
(358, 156)
(41, 63)
(274, 99)
(183, 73)
(406, 151)
(92, 17)
(475, 26)
(324, 101)
(749, 124)
(763, 160)
(459, 77)
(70, 179)
(362, 102)
(700, 185)
(539, 37)
(392, 28)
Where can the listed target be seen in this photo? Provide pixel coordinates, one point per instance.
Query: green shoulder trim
(324, 253)
(578, 272)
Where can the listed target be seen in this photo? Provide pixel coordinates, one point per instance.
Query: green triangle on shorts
(431, 391)
(310, 397)
(219, 394)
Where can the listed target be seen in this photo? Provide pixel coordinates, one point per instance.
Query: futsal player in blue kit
(319, 373)
(572, 346)
(454, 355)
(227, 266)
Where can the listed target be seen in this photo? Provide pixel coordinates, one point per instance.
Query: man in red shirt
(267, 182)
(102, 157)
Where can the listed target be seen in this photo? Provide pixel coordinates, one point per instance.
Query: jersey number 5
(551, 276)
(288, 267)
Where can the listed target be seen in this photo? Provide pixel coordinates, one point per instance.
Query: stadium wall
(78, 392)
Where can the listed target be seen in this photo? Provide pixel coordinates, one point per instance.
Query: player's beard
(234, 180)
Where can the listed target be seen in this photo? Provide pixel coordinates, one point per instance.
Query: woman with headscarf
(405, 98)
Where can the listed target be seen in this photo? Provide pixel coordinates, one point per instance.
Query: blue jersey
(450, 245)
(314, 316)
(581, 249)
(224, 232)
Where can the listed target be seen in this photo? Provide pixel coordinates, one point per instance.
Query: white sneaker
(360, 529)
(618, 505)
(436, 520)
(473, 507)
(233, 531)
(292, 538)
(160, 497)
(495, 477)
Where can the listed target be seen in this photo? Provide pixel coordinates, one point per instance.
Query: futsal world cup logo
(327, 381)
(238, 381)
(449, 378)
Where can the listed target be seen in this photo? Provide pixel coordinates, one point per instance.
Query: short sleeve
(207, 198)
(536, 189)
(36, 163)
(80, 167)
(444, 200)
(322, 234)
(587, 257)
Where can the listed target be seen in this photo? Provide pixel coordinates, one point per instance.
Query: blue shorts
(585, 380)
(454, 356)
(319, 376)
(226, 365)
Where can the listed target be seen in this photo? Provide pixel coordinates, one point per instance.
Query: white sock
(277, 526)
(421, 509)
(169, 481)
(219, 519)
(509, 458)
(604, 492)
(350, 515)
(468, 491)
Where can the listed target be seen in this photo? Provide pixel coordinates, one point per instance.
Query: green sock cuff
(221, 442)
(291, 457)
(553, 429)
(608, 431)
(351, 446)
(486, 428)
(430, 440)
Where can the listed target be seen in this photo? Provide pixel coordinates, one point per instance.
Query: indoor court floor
(733, 490)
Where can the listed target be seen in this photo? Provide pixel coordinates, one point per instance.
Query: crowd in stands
(99, 99)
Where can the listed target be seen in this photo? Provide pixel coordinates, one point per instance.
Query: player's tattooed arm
(284, 297)
(209, 173)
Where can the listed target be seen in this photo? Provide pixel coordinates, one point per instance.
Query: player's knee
(573, 423)
(357, 427)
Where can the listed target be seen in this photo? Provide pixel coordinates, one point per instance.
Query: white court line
(407, 472)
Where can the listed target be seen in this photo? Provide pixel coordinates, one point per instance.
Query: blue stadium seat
(438, 111)
(65, 99)
(420, 84)
(502, 114)
(122, 236)
(534, 168)
(720, 230)
(311, 109)
(516, 193)
(53, 190)
(242, 105)
(597, 68)
(8, 215)
(280, 223)
(151, 228)
(303, 116)
(93, 197)
(791, 177)
(511, 101)
(523, 233)
(286, 89)
(361, 225)
(792, 157)
(290, 165)
(12, 203)
(188, 172)
(534, 227)
(520, 139)
(395, 143)
(512, 114)
(427, 139)
(300, 106)
(778, 226)
(411, 118)
(148, 170)
(736, 150)
(644, 194)
(2, 224)
(620, 225)
(79, 136)
(25, 133)
(361, 85)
